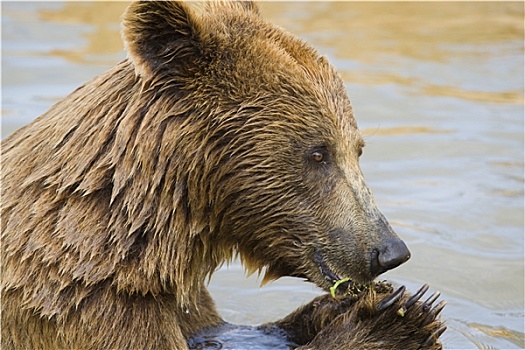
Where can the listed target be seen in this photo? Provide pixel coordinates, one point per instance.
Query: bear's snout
(393, 253)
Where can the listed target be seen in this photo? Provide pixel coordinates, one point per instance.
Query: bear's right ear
(157, 33)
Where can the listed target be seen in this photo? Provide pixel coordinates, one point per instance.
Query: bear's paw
(396, 321)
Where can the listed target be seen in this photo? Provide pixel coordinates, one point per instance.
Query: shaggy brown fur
(219, 135)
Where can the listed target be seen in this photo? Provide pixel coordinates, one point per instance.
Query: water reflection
(387, 40)
(438, 92)
(102, 29)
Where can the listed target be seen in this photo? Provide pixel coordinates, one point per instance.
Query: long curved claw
(428, 303)
(433, 337)
(391, 299)
(412, 300)
(434, 313)
(416, 296)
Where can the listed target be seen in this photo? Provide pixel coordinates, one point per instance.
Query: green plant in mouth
(337, 284)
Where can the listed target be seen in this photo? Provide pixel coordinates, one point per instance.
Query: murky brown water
(438, 91)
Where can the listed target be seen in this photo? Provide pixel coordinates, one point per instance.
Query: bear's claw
(416, 296)
(434, 313)
(425, 307)
(391, 299)
(428, 303)
(434, 336)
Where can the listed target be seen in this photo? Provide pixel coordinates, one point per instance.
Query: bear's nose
(393, 253)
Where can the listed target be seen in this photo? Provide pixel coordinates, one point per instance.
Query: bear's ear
(157, 33)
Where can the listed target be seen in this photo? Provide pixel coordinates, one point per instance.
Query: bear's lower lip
(327, 272)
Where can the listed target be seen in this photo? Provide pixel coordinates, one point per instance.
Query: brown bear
(219, 135)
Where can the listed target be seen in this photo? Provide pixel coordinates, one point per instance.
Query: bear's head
(258, 150)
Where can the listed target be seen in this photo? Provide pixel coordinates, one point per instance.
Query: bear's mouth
(329, 275)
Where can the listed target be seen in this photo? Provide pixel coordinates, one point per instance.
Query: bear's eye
(317, 156)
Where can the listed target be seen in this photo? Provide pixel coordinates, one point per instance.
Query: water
(438, 92)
